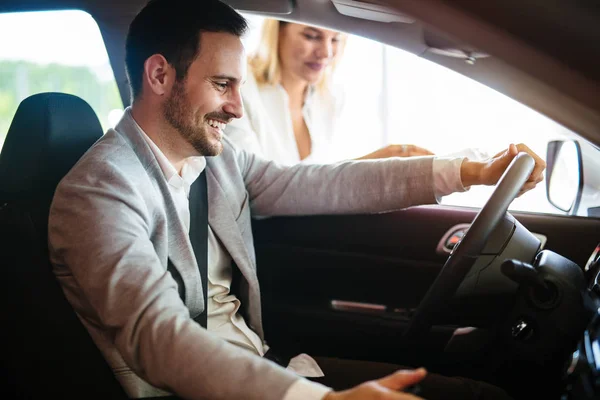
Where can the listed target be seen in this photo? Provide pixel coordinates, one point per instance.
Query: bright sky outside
(39, 45)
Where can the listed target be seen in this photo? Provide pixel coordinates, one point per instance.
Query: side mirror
(564, 175)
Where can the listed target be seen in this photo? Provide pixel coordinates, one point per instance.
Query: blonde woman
(290, 105)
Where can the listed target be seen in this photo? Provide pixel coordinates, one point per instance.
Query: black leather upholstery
(46, 351)
(49, 133)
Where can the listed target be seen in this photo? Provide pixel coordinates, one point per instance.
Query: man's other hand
(488, 172)
(387, 388)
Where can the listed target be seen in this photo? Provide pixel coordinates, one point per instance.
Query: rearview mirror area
(564, 175)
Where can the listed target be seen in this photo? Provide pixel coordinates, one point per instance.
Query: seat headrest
(49, 133)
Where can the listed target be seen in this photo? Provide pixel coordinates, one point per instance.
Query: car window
(392, 96)
(426, 104)
(59, 51)
(445, 112)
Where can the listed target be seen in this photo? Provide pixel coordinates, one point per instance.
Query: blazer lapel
(222, 221)
(183, 259)
(180, 250)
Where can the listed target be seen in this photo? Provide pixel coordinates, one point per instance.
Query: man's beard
(179, 114)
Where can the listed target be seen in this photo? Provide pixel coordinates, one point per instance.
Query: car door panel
(332, 284)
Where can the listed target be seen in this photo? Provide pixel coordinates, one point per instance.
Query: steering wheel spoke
(466, 253)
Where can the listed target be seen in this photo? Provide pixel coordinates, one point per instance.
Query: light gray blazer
(113, 226)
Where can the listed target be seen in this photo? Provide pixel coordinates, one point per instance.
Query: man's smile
(217, 125)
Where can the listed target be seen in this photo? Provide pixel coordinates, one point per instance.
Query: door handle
(353, 306)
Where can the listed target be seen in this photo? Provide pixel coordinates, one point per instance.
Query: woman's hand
(397, 150)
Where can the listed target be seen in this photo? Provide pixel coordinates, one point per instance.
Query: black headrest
(49, 133)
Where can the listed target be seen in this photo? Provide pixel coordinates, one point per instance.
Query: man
(121, 227)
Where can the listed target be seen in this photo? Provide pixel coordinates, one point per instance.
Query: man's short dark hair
(172, 28)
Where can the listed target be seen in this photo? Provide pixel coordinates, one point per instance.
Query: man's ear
(159, 75)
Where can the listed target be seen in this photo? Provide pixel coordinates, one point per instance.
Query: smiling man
(150, 232)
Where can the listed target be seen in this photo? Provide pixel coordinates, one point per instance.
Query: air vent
(370, 11)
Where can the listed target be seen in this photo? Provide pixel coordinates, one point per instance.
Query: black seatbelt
(199, 239)
(199, 235)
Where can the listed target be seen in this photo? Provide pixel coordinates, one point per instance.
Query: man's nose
(234, 104)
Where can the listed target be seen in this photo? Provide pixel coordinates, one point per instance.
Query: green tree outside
(20, 79)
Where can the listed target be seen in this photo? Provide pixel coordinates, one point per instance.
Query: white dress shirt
(266, 127)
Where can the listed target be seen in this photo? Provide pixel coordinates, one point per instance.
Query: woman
(290, 105)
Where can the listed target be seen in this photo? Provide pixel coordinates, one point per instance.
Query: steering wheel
(465, 253)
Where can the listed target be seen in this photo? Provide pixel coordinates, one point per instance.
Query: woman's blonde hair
(266, 65)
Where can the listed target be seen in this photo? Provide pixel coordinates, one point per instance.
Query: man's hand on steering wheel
(488, 172)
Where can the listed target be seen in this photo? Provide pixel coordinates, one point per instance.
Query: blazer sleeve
(99, 233)
(346, 187)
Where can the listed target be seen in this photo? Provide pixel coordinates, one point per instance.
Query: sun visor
(373, 12)
(443, 45)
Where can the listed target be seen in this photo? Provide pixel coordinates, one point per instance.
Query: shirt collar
(308, 96)
(192, 166)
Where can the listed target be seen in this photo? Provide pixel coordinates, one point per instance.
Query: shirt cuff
(446, 176)
(303, 389)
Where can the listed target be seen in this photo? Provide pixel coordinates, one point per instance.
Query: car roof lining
(532, 76)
